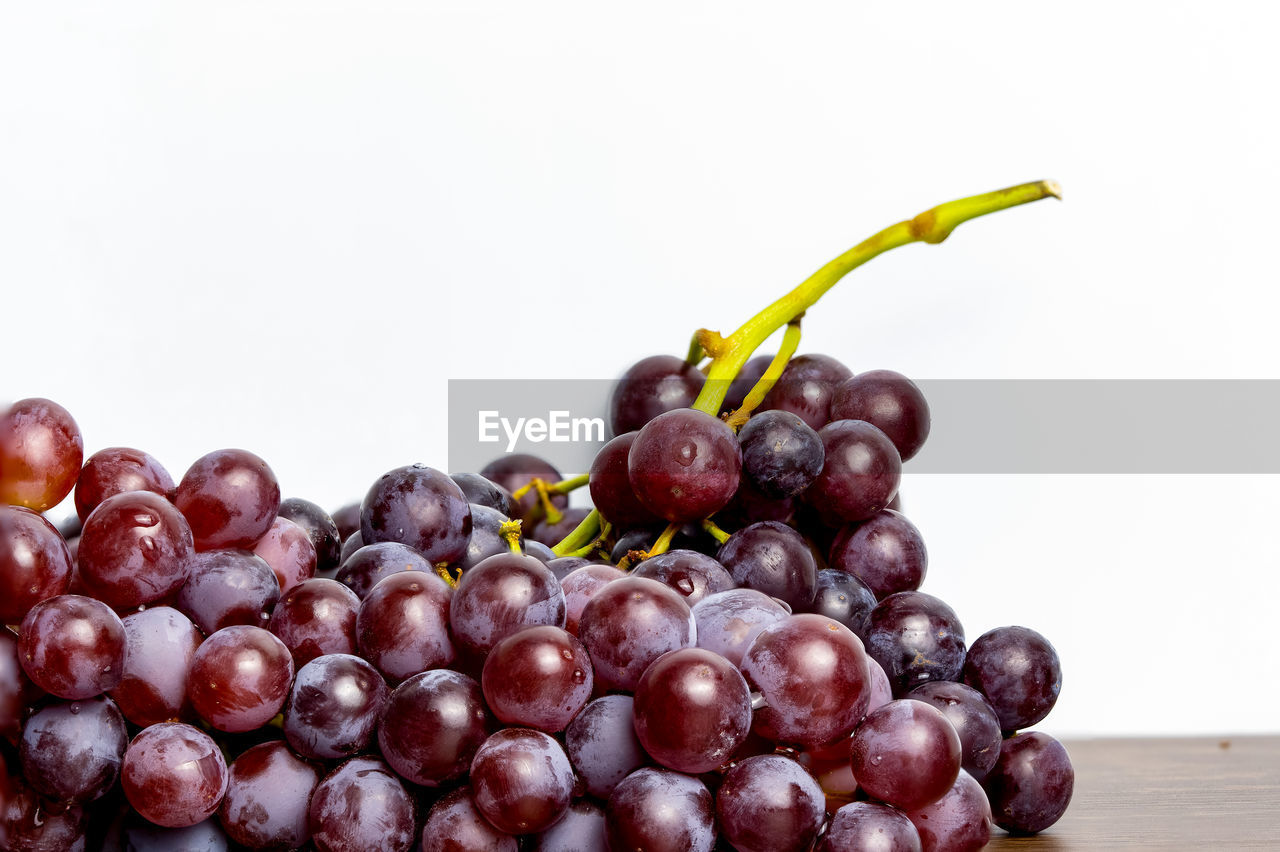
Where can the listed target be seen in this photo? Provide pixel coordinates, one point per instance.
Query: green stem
(695, 356)
(790, 342)
(718, 534)
(660, 546)
(581, 536)
(564, 486)
(605, 529)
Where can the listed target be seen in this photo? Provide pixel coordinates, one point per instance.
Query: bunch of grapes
(729, 651)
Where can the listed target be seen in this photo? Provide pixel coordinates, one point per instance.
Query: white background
(285, 226)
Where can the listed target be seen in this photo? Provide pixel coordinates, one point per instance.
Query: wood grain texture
(1221, 793)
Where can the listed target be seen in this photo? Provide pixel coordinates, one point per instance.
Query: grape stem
(598, 541)
(546, 489)
(728, 354)
(510, 533)
(790, 342)
(714, 531)
(659, 547)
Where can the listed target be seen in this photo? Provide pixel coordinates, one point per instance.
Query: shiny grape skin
(630, 623)
(321, 530)
(692, 710)
(72, 646)
(843, 597)
(889, 401)
(538, 678)
(41, 450)
(694, 575)
(781, 454)
(362, 570)
(486, 537)
(973, 718)
(432, 725)
(230, 498)
(240, 678)
(71, 750)
(116, 470)
(484, 492)
(813, 675)
(1031, 784)
(35, 564)
(860, 474)
(420, 507)
(806, 388)
(516, 470)
(685, 465)
(455, 825)
(602, 744)
(658, 810)
(886, 552)
(316, 617)
(501, 596)
(174, 775)
(362, 806)
(228, 587)
(402, 627)
(580, 585)
(581, 830)
(333, 707)
(881, 689)
(773, 558)
(551, 534)
(870, 827)
(650, 387)
(521, 780)
(350, 545)
(916, 638)
(268, 792)
(141, 836)
(610, 485)
(287, 548)
(747, 377)
(160, 646)
(347, 520)
(750, 506)
(769, 803)
(1018, 671)
(134, 550)
(728, 622)
(906, 754)
(28, 824)
(563, 566)
(958, 822)
(17, 692)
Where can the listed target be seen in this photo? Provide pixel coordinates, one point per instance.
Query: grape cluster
(742, 659)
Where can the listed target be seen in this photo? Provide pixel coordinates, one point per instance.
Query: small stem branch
(565, 486)
(790, 342)
(696, 352)
(443, 570)
(581, 536)
(659, 547)
(718, 534)
(598, 541)
(510, 532)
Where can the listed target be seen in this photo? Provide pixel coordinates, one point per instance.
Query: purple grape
(316, 617)
(350, 545)
(860, 473)
(781, 454)
(363, 570)
(581, 830)
(174, 775)
(35, 564)
(692, 710)
(239, 678)
(630, 623)
(72, 646)
(454, 825)
(806, 388)
(694, 575)
(844, 598)
(563, 566)
(333, 707)
(728, 622)
(772, 558)
(881, 689)
(228, 587)
(650, 387)
(537, 678)
(658, 810)
(268, 793)
(685, 465)
(1018, 671)
(230, 498)
(517, 470)
(321, 530)
(360, 806)
(432, 725)
(521, 780)
(116, 470)
(886, 553)
(420, 507)
(906, 754)
(486, 537)
(610, 485)
(480, 491)
(749, 506)
(160, 645)
(347, 520)
(287, 548)
(602, 744)
(866, 826)
(403, 625)
(29, 824)
(71, 750)
(916, 638)
(889, 401)
(972, 716)
(1031, 784)
(17, 692)
(580, 585)
(958, 822)
(769, 803)
(501, 596)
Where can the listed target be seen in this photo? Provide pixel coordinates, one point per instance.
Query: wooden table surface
(1221, 793)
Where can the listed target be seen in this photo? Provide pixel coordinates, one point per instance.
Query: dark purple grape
(958, 822)
(813, 675)
(17, 692)
(287, 548)
(973, 718)
(1018, 671)
(772, 558)
(694, 575)
(403, 625)
(350, 545)
(685, 465)
(432, 725)
(161, 643)
(206, 836)
(321, 531)
(552, 533)
(35, 564)
(916, 638)
(886, 552)
(174, 775)
(454, 825)
(362, 570)
(781, 454)
(602, 744)
(881, 689)
(267, 798)
(750, 506)
(486, 537)
(521, 780)
(316, 617)
(747, 377)
(806, 388)
(41, 451)
(843, 597)
(538, 550)
(638, 539)
(537, 678)
(135, 549)
(860, 473)
(485, 492)
(501, 596)
(870, 826)
(228, 587)
(420, 507)
(692, 710)
(906, 754)
(563, 566)
(769, 803)
(650, 387)
(658, 810)
(230, 498)
(630, 623)
(581, 830)
(116, 470)
(347, 520)
(71, 750)
(72, 646)
(517, 470)
(333, 707)
(610, 485)
(728, 622)
(1031, 784)
(240, 678)
(360, 806)
(889, 401)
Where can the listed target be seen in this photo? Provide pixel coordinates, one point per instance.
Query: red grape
(958, 822)
(321, 531)
(860, 473)
(402, 627)
(889, 401)
(230, 498)
(161, 644)
(361, 806)
(116, 470)
(537, 678)
(333, 707)
(602, 744)
(268, 792)
(579, 586)
(41, 450)
(228, 587)
(629, 624)
(135, 549)
(174, 775)
(71, 750)
(658, 810)
(501, 596)
(521, 780)
(650, 387)
(432, 725)
(886, 552)
(610, 485)
(1018, 671)
(72, 646)
(916, 638)
(454, 825)
(870, 826)
(769, 803)
(906, 754)
(316, 617)
(806, 388)
(773, 558)
(420, 507)
(1031, 784)
(685, 465)
(728, 622)
(781, 454)
(240, 678)
(370, 563)
(972, 716)
(35, 564)
(694, 575)
(287, 548)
